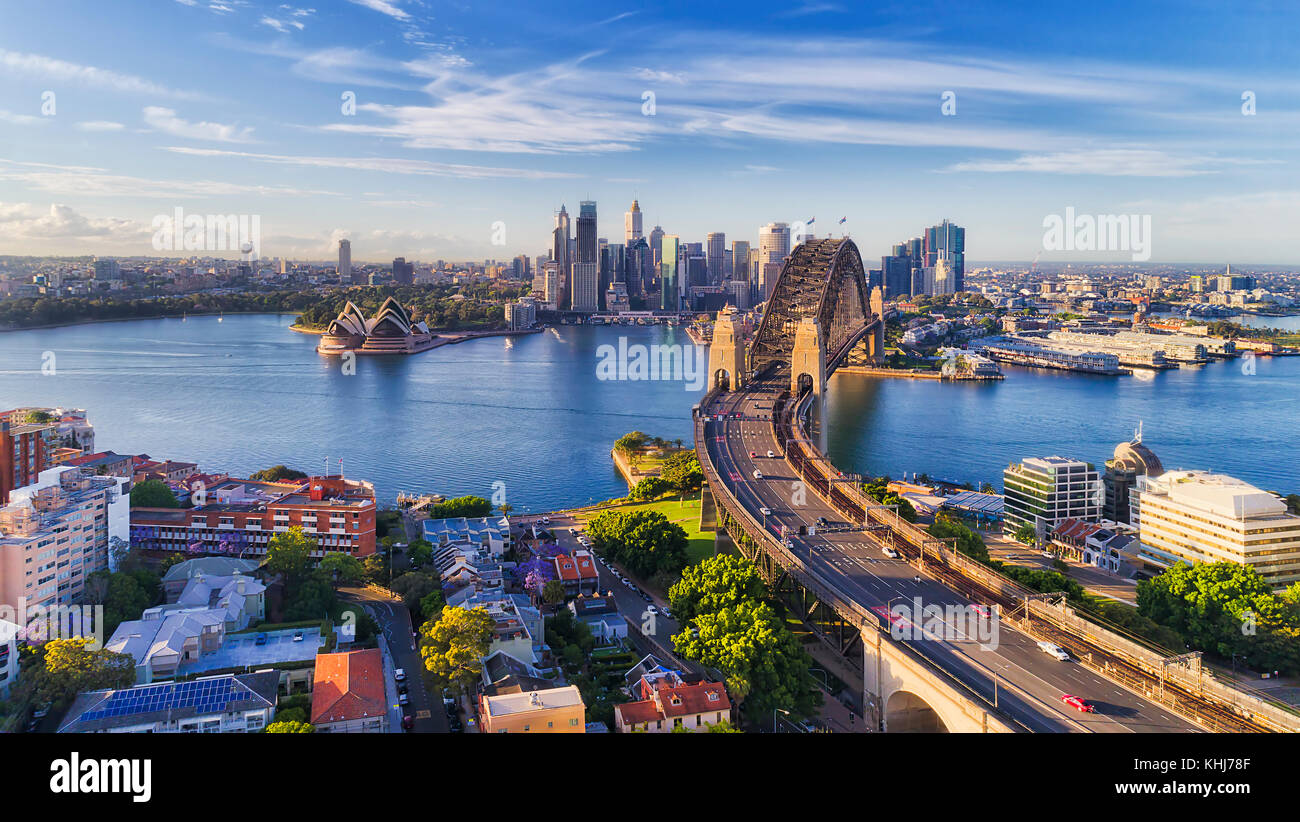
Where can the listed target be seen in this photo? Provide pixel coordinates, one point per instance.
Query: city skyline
(824, 110)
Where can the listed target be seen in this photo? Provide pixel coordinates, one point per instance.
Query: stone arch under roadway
(905, 712)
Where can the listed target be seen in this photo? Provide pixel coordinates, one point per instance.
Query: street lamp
(774, 712)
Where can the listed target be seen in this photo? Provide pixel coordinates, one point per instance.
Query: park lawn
(699, 544)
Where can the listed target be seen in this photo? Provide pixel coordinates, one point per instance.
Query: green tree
(124, 594)
(376, 568)
(553, 592)
(342, 568)
(419, 553)
(631, 441)
(764, 664)
(644, 541)
(967, 541)
(290, 728)
(650, 488)
(413, 587)
(289, 553)
(153, 494)
(469, 506)
(682, 470)
(431, 603)
(1025, 533)
(278, 473)
(723, 727)
(714, 583)
(452, 645)
(70, 667)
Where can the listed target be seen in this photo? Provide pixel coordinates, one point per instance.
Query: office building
(1197, 516)
(716, 246)
(669, 280)
(345, 265)
(740, 267)
(632, 223)
(585, 291)
(403, 272)
(947, 242)
(562, 255)
(1131, 460)
(638, 267)
(1043, 491)
(773, 243)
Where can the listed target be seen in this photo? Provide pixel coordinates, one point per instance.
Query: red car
(1079, 703)
(753, 454)
(408, 722)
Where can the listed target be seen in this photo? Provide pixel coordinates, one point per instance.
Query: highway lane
(1031, 682)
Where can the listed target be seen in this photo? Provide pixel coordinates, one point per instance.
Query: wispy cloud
(165, 120)
(53, 69)
(85, 181)
(99, 125)
(391, 165)
(1119, 162)
(383, 7)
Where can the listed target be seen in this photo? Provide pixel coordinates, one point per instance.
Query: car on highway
(1052, 649)
(546, 520)
(758, 474)
(771, 453)
(767, 512)
(789, 543)
(1047, 555)
(822, 522)
(891, 553)
(753, 454)
(1079, 704)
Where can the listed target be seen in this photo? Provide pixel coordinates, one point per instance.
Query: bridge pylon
(808, 363)
(726, 356)
(876, 342)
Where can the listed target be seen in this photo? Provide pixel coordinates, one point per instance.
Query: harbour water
(246, 393)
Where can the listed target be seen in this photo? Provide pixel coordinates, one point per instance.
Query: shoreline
(8, 329)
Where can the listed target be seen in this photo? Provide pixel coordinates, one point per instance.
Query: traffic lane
(1121, 710)
(1046, 714)
(395, 621)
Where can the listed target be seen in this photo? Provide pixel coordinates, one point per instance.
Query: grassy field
(699, 544)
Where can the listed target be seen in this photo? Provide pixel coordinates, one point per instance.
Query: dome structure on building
(1136, 457)
(389, 331)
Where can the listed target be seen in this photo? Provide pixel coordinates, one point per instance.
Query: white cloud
(86, 181)
(21, 119)
(282, 26)
(165, 119)
(1103, 162)
(388, 165)
(383, 7)
(99, 125)
(24, 223)
(52, 69)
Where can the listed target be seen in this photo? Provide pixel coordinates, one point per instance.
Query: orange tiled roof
(348, 685)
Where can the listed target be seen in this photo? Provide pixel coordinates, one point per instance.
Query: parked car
(647, 597)
(667, 613)
(401, 687)
(408, 722)
(651, 609)
(399, 675)
(260, 639)
(403, 698)
(297, 636)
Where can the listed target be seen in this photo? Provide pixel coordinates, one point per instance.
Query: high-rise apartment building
(773, 243)
(1196, 516)
(632, 223)
(24, 454)
(1042, 491)
(345, 264)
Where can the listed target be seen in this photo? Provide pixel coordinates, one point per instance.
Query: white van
(1052, 649)
(758, 474)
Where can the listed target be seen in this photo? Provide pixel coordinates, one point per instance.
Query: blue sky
(468, 114)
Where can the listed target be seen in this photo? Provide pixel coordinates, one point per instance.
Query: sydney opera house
(390, 331)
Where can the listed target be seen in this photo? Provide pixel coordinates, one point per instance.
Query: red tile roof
(347, 686)
(674, 701)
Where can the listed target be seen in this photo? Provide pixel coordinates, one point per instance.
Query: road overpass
(843, 564)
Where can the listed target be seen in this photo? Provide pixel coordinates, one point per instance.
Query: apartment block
(1043, 491)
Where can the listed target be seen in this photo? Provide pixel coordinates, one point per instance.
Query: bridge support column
(808, 366)
(726, 357)
(873, 703)
(876, 342)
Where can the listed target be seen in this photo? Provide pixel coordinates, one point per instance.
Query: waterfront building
(638, 267)
(552, 279)
(390, 331)
(1198, 516)
(947, 242)
(521, 314)
(632, 223)
(24, 454)
(1043, 491)
(586, 265)
(1033, 352)
(1133, 353)
(656, 248)
(1131, 460)
(241, 516)
(56, 532)
(561, 253)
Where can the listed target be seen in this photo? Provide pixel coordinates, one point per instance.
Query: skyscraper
(716, 245)
(560, 254)
(403, 272)
(773, 243)
(586, 266)
(669, 299)
(656, 247)
(345, 262)
(740, 269)
(639, 271)
(947, 241)
(632, 223)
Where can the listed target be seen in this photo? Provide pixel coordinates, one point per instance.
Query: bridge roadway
(1031, 683)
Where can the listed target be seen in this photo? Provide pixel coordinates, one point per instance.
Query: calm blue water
(247, 393)
(1210, 417)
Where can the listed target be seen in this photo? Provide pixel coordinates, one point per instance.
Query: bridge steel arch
(823, 280)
